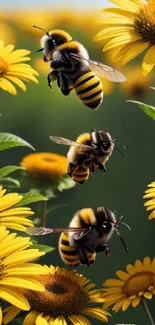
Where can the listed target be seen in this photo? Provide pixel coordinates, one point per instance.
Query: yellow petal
(150, 202)
(7, 50)
(134, 51)
(126, 305)
(79, 320)
(1, 316)
(119, 304)
(138, 266)
(148, 60)
(113, 283)
(22, 283)
(97, 313)
(131, 5)
(10, 199)
(16, 55)
(150, 207)
(17, 81)
(136, 301)
(41, 321)
(2, 192)
(122, 39)
(122, 275)
(130, 269)
(14, 297)
(26, 270)
(147, 295)
(22, 257)
(31, 317)
(120, 12)
(146, 263)
(152, 215)
(12, 312)
(8, 87)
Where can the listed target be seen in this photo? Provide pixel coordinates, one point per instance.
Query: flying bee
(89, 151)
(71, 67)
(87, 235)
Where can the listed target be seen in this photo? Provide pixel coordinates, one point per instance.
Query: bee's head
(51, 40)
(109, 224)
(102, 139)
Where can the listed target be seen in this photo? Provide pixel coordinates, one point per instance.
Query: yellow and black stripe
(80, 174)
(68, 253)
(89, 89)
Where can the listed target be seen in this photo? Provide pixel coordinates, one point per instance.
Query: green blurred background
(41, 112)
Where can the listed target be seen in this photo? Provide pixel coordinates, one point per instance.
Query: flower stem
(43, 218)
(147, 312)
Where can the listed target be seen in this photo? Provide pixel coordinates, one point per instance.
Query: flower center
(63, 296)
(3, 67)
(145, 22)
(139, 282)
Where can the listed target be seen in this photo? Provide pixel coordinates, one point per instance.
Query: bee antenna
(122, 240)
(42, 30)
(119, 151)
(124, 223)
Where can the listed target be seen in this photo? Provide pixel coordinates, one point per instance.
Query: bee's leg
(101, 167)
(51, 77)
(71, 168)
(63, 84)
(82, 255)
(103, 249)
(92, 167)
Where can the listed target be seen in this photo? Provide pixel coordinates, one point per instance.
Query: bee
(90, 150)
(87, 235)
(71, 67)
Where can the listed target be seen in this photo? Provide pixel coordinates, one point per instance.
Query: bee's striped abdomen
(68, 253)
(80, 174)
(89, 89)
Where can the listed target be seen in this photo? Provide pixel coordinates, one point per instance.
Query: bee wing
(41, 231)
(102, 70)
(68, 142)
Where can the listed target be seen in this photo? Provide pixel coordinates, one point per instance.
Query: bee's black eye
(106, 145)
(106, 226)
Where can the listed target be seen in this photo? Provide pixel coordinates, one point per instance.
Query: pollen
(145, 22)
(3, 67)
(139, 282)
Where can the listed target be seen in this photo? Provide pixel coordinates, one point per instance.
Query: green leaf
(4, 171)
(8, 140)
(149, 110)
(42, 248)
(31, 197)
(66, 183)
(9, 182)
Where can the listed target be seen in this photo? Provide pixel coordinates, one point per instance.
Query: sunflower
(67, 298)
(131, 287)
(129, 30)
(150, 204)
(13, 218)
(136, 86)
(45, 166)
(15, 272)
(12, 68)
